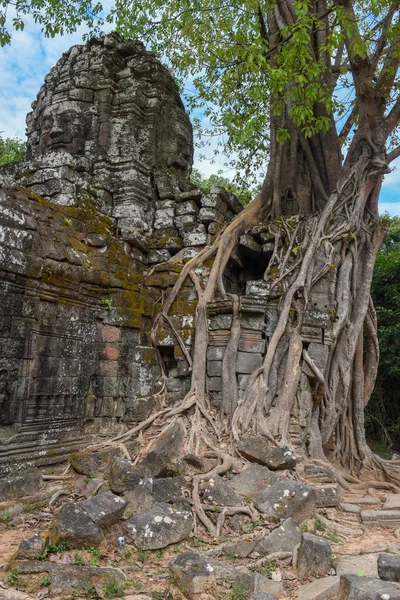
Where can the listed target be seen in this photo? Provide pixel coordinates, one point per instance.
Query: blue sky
(24, 64)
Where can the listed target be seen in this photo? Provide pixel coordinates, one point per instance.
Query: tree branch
(393, 118)
(349, 122)
(395, 153)
(381, 42)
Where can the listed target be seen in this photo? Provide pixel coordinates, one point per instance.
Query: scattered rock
(357, 565)
(326, 588)
(287, 498)
(220, 492)
(327, 495)
(169, 489)
(64, 577)
(122, 476)
(160, 526)
(194, 576)
(104, 509)
(140, 496)
(389, 567)
(314, 557)
(194, 465)
(226, 573)
(32, 547)
(171, 443)
(253, 583)
(74, 524)
(154, 465)
(83, 578)
(96, 485)
(284, 538)
(23, 483)
(354, 587)
(240, 549)
(256, 449)
(252, 480)
(240, 522)
(93, 463)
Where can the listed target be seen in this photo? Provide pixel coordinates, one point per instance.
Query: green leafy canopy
(11, 150)
(220, 53)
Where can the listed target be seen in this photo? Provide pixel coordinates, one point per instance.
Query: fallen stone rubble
(274, 540)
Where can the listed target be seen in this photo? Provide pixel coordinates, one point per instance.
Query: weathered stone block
(74, 525)
(287, 498)
(194, 238)
(389, 567)
(285, 538)
(186, 208)
(240, 549)
(253, 322)
(178, 384)
(251, 345)
(257, 449)
(381, 518)
(122, 475)
(214, 201)
(104, 509)
(184, 220)
(355, 587)
(327, 495)
(214, 384)
(326, 588)
(217, 322)
(194, 576)
(247, 362)
(218, 491)
(214, 368)
(215, 352)
(160, 526)
(392, 502)
(158, 256)
(254, 583)
(208, 215)
(314, 557)
(243, 381)
(93, 463)
(253, 480)
(25, 483)
(32, 547)
(366, 564)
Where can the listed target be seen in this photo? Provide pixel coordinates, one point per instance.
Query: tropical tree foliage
(383, 412)
(11, 150)
(244, 194)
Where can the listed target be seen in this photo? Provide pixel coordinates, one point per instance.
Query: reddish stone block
(110, 334)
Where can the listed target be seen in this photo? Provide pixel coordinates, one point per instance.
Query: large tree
(308, 89)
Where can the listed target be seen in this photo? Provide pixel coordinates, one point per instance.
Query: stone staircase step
(381, 518)
(392, 502)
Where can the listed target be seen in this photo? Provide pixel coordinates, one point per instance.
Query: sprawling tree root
(342, 240)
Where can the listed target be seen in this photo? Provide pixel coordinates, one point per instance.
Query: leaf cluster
(11, 150)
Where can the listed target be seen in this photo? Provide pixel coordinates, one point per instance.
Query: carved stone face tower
(109, 121)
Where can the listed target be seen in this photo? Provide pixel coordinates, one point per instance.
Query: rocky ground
(107, 527)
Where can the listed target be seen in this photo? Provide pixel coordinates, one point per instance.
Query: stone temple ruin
(88, 224)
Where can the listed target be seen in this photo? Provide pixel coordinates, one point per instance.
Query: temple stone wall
(87, 226)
